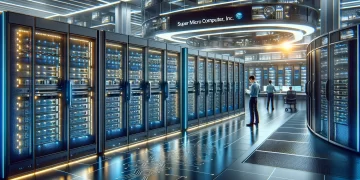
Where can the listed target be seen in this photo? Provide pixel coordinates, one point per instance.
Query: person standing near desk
(270, 89)
(254, 94)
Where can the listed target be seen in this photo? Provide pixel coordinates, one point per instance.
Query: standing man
(270, 89)
(254, 94)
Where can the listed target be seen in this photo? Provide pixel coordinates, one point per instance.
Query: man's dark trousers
(270, 98)
(253, 110)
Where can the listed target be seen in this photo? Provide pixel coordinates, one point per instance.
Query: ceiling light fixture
(88, 9)
(51, 5)
(169, 36)
(11, 4)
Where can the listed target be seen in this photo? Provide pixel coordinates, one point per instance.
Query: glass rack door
(258, 76)
(49, 93)
(211, 88)
(230, 86)
(324, 112)
(21, 121)
(303, 77)
(136, 79)
(155, 113)
(115, 125)
(246, 74)
(191, 87)
(202, 96)
(173, 102)
(224, 87)
(217, 91)
(81, 87)
(288, 76)
(340, 81)
(272, 75)
(236, 87)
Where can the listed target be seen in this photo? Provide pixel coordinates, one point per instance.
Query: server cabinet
(297, 76)
(321, 86)
(266, 76)
(224, 85)
(303, 77)
(156, 97)
(242, 80)
(192, 88)
(236, 85)
(218, 96)
(344, 118)
(258, 76)
(272, 75)
(246, 73)
(137, 88)
(172, 78)
(231, 85)
(202, 86)
(51, 90)
(210, 87)
(288, 76)
(82, 91)
(112, 115)
(280, 76)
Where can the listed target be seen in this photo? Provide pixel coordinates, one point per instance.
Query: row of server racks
(333, 87)
(290, 75)
(69, 92)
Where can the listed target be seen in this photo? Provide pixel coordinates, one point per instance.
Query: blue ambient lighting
(3, 93)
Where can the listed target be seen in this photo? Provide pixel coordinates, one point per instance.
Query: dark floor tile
(233, 174)
(254, 168)
(296, 175)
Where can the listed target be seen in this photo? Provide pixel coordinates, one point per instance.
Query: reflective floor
(216, 151)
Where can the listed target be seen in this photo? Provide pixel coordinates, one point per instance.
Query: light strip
(77, 1)
(3, 95)
(350, 2)
(71, 4)
(136, 23)
(50, 5)
(11, 4)
(282, 52)
(88, 9)
(169, 36)
(102, 25)
(198, 7)
(53, 168)
(297, 34)
(103, 1)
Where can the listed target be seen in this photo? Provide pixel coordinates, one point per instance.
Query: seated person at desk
(291, 96)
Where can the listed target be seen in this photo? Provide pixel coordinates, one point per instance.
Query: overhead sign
(215, 17)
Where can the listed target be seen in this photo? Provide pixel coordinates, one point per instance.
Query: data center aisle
(205, 153)
(293, 152)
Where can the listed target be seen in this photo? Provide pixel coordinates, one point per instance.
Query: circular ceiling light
(304, 29)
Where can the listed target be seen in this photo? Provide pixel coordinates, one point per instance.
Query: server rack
(50, 92)
(201, 87)
(242, 79)
(113, 92)
(273, 75)
(258, 76)
(139, 90)
(280, 76)
(236, 85)
(303, 77)
(246, 73)
(192, 88)
(333, 87)
(288, 76)
(210, 87)
(218, 91)
(156, 97)
(225, 85)
(231, 85)
(344, 110)
(172, 81)
(265, 76)
(297, 75)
